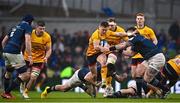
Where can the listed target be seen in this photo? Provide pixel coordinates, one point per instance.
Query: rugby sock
(104, 73)
(139, 83)
(6, 83)
(144, 86)
(51, 89)
(13, 85)
(108, 81)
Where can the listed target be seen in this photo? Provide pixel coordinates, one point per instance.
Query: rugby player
(12, 46)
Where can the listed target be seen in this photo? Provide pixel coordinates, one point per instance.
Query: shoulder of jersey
(147, 27)
(47, 34)
(95, 32)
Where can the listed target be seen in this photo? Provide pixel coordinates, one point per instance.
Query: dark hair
(111, 19)
(131, 29)
(139, 14)
(104, 24)
(40, 23)
(28, 18)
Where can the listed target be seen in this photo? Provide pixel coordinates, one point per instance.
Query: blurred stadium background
(71, 22)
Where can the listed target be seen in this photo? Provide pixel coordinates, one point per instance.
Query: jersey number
(12, 32)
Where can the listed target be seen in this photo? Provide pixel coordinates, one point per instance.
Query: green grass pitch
(82, 97)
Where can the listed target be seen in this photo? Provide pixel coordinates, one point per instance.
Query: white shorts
(74, 81)
(14, 60)
(132, 84)
(156, 62)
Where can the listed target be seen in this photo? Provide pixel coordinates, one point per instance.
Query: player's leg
(110, 62)
(7, 77)
(22, 77)
(74, 81)
(23, 84)
(6, 82)
(40, 80)
(17, 62)
(139, 79)
(92, 65)
(155, 63)
(102, 60)
(36, 68)
(133, 71)
(9, 69)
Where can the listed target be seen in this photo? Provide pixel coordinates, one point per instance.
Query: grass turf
(82, 97)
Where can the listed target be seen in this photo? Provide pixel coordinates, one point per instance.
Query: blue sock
(14, 84)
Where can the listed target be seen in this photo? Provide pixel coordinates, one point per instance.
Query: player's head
(140, 19)
(28, 18)
(112, 23)
(103, 27)
(40, 28)
(130, 31)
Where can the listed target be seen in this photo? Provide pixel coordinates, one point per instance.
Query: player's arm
(48, 51)
(128, 52)
(153, 37)
(128, 91)
(120, 46)
(4, 41)
(123, 34)
(99, 47)
(28, 47)
(154, 40)
(125, 38)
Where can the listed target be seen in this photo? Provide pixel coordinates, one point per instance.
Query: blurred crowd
(69, 49)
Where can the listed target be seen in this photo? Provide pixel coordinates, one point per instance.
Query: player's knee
(24, 76)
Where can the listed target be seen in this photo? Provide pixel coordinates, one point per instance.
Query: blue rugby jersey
(144, 46)
(16, 38)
